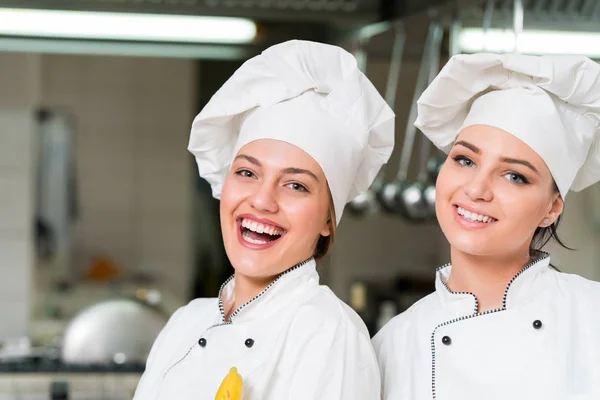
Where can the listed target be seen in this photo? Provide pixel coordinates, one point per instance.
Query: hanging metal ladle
(367, 202)
(435, 163)
(399, 196)
(415, 195)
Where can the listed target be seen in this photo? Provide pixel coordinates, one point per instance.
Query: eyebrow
(289, 170)
(508, 160)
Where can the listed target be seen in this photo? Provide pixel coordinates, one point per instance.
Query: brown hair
(543, 235)
(325, 243)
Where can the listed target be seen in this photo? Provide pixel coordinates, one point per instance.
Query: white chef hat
(551, 103)
(309, 94)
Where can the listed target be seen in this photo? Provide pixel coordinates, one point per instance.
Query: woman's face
(274, 207)
(492, 192)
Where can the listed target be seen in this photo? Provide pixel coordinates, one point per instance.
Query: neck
(245, 289)
(485, 276)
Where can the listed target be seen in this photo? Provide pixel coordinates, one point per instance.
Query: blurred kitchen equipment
(400, 196)
(517, 22)
(56, 190)
(59, 390)
(435, 163)
(114, 331)
(415, 196)
(387, 310)
(367, 202)
(488, 16)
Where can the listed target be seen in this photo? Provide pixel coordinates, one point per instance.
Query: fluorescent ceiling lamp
(474, 40)
(125, 26)
(201, 51)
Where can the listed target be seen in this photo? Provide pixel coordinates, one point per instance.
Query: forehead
(280, 154)
(492, 140)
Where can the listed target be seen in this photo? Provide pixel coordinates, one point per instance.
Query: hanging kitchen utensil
(360, 204)
(517, 22)
(367, 202)
(488, 15)
(413, 195)
(415, 201)
(435, 163)
(390, 196)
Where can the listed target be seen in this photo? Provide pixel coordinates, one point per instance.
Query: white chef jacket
(543, 343)
(296, 340)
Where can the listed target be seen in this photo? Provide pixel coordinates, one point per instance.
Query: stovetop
(55, 365)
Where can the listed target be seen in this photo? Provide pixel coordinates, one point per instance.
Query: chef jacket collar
(525, 286)
(274, 297)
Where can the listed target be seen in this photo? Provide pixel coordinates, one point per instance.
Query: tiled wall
(133, 117)
(19, 78)
(580, 230)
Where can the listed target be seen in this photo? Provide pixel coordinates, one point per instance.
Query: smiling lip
(259, 220)
(264, 221)
(470, 224)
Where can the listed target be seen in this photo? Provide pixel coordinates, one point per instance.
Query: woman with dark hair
(520, 132)
(290, 138)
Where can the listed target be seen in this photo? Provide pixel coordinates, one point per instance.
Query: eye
(518, 179)
(464, 161)
(297, 187)
(245, 173)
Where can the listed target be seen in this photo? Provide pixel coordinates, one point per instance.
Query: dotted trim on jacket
(543, 256)
(265, 290)
(222, 311)
(179, 361)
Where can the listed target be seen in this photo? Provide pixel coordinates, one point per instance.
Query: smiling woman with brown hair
(289, 139)
(520, 132)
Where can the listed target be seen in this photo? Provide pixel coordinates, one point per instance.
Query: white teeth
(471, 216)
(254, 241)
(261, 228)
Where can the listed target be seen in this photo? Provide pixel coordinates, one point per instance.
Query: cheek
(305, 215)
(231, 196)
(447, 183)
(524, 210)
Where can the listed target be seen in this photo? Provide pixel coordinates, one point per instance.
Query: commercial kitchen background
(105, 227)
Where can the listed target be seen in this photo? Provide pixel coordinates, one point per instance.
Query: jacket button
(202, 342)
(249, 343)
(446, 340)
(537, 324)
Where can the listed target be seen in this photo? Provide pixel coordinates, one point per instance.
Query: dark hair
(543, 235)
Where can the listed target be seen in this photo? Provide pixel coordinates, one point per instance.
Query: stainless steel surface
(115, 331)
(289, 10)
(575, 15)
(87, 386)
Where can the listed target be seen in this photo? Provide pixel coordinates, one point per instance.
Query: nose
(264, 198)
(479, 187)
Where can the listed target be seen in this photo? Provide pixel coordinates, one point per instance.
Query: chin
(254, 265)
(473, 243)
(473, 249)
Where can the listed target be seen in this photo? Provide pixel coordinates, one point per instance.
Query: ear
(326, 231)
(556, 208)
